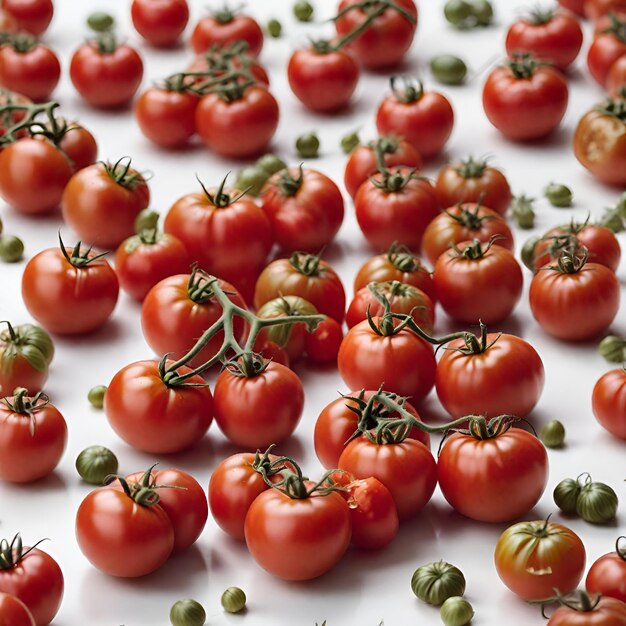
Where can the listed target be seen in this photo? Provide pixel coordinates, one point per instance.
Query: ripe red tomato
(33, 175)
(575, 6)
(423, 118)
(473, 475)
(57, 280)
(395, 206)
(9, 118)
(525, 100)
(106, 74)
(14, 612)
(322, 345)
(388, 37)
(607, 575)
(79, 145)
(160, 22)
(535, 558)
(595, 9)
(600, 611)
(616, 78)
(156, 417)
(101, 202)
(32, 16)
(322, 79)
(216, 62)
(552, 37)
(225, 27)
(606, 48)
(609, 402)
(305, 208)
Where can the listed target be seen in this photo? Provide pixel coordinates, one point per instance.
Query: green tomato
(482, 12)
(187, 613)
(251, 179)
(349, 142)
(147, 219)
(95, 463)
(303, 11)
(457, 12)
(597, 503)
(11, 249)
(566, 495)
(274, 28)
(552, 434)
(613, 349)
(523, 212)
(435, 582)
(100, 22)
(307, 146)
(528, 252)
(448, 69)
(559, 195)
(96, 396)
(233, 600)
(456, 611)
(271, 163)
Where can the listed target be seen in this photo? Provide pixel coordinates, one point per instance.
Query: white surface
(365, 588)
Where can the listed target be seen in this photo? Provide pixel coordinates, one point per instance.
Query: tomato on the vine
(581, 610)
(607, 575)
(608, 402)
(78, 144)
(224, 27)
(607, 47)
(160, 22)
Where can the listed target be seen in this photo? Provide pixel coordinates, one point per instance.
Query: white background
(364, 588)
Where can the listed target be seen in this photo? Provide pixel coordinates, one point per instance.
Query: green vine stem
(404, 260)
(144, 491)
(23, 404)
(54, 129)
(76, 256)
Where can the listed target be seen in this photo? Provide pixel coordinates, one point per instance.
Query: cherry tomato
(14, 612)
(79, 145)
(607, 575)
(322, 345)
(32, 16)
(595, 9)
(616, 78)
(609, 402)
(601, 611)
(606, 48)
(224, 27)
(160, 22)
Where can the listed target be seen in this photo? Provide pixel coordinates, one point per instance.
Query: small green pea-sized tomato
(609, 402)
(160, 22)
(435, 582)
(224, 27)
(607, 575)
(187, 613)
(13, 611)
(581, 609)
(448, 69)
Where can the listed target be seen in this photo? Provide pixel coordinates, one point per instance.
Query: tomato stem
(12, 553)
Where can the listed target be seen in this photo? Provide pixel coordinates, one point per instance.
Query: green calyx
(522, 65)
(471, 168)
(403, 259)
(77, 257)
(12, 553)
(287, 184)
(614, 108)
(306, 264)
(122, 174)
(411, 91)
(23, 43)
(143, 492)
(220, 199)
(106, 42)
(145, 237)
(540, 16)
(29, 341)
(22, 404)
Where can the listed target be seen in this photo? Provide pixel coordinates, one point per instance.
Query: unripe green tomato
(552, 434)
(187, 613)
(528, 252)
(559, 195)
(271, 163)
(612, 219)
(303, 11)
(95, 463)
(566, 495)
(448, 69)
(482, 12)
(274, 28)
(11, 249)
(251, 179)
(100, 22)
(96, 396)
(307, 146)
(233, 600)
(522, 210)
(147, 219)
(456, 611)
(613, 349)
(350, 142)
(597, 503)
(435, 582)
(457, 12)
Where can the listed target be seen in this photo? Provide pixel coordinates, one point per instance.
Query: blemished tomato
(525, 100)
(395, 206)
(160, 22)
(595, 9)
(101, 202)
(609, 402)
(57, 280)
(552, 37)
(321, 78)
(535, 558)
(473, 180)
(79, 145)
(225, 27)
(305, 208)
(388, 37)
(13, 612)
(297, 538)
(423, 118)
(153, 416)
(106, 74)
(32, 16)
(504, 375)
(361, 163)
(33, 175)
(600, 611)
(494, 474)
(33, 436)
(575, 6)
(607, 575)
(616, 78)
(34, 577)
(322, 344)
(606, 48)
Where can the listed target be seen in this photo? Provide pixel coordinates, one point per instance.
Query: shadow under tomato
(50, 484)
(194, 459)
(113, 330)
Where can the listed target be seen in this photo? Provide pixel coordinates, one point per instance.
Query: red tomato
(575, 6)
(616, 78)
(609, 402)
(219, 61)
(14, 612)
(79, 146)
(10, 118)
(388, 37)
(105, 74)
(160, 22)
(423, 118)
(396, 206)
(8, 24)
(322, 345)
(305, 208)
(595, 9)
(224, 27)
(600, 611)
(493, 474)
(606, 48)
(154, 416)
(32, 16)
(56, 281)
(535, 558)
(272, 351)
(525, 100)
(607, 575)
(505, 375)
(101, 202)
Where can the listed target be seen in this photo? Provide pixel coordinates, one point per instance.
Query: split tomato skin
(608, 402)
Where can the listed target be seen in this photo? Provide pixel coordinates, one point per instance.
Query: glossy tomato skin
(609, 402)
(34, 72)
(616, 78)
(297, 539)
(594, 9)
(575, 6)
(607, 612)
(33, 16)
(160, 22)
(507, 378)
(322, 345)
(607, 576)
(210, 30)
(493, 480)
(14, 612)
(121, 537)
(80, 146)
(605, 50)
(89, 293)
(322, 81)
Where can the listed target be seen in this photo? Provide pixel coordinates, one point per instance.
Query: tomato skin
(616, 78)
(322, 345)
(322, 81)
(33, 16)
(89, 293)
(507, 378)
(605, 50)
(607, 576)
(595, 9)
(608, 612)
(9, 97)
(201, 64)
(34, 73)
(155, 418)
(575, 6)
(33, 175)
(80, 146)
(13, 612)
(297, 539)
(609, 402)
(209, 31)
(254, 412)
(120, 537)
(160, 22)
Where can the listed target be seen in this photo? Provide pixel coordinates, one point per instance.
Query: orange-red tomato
(607, 47)
(602, 612)
(607, 575)
(32, 16)
(616, 78)
(160, 22)
(595, 9)
(609, 402)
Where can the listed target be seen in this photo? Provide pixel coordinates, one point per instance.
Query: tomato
(32, 16)
(525, 100)
(423, 118)
(322, 345)
(154, 416)
(473, 180)
(29, 68)
(493, 474)
(595, 9)
(361, 163)
(534, 558)
(607, 575)
(305, 208)
(224, 27)
(33, 436)
(606, 48)
(271, 351)
(8, 24)
(575, 6)
(553, 37)
(616, 78)
(600, 142)
(167, 115)
(503, 375)
(122, 536)
(79, 145)
(258, 404)
(600, 611)
(106, 74)
(69, 291)
(464, 222)
(219, 61)
(14, 612)
(160, 22)
(10, 118)
(395, 206)
(101, 202)
(297, 538)
(609, 402)
(33, 175)
(145, 259)
(478, 281)
(388, 37)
